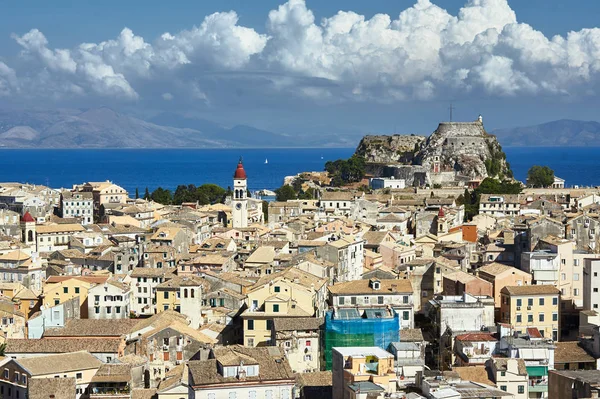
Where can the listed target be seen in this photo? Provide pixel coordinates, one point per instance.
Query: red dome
(27, 218)
(240, 173)
(441, 213)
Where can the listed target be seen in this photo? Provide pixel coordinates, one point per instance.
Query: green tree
(285, 193)
(137, 193)
(345, 171)
(147, 194)
(540, 176)
(162, 196)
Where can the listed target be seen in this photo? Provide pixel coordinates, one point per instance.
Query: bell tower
(28, 229)
(240, 201)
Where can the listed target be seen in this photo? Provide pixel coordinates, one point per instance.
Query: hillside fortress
(455, 154)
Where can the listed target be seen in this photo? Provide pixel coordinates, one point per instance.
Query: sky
(356, 66)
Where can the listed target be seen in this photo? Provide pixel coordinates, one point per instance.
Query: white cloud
(421, 54)
(8, 80)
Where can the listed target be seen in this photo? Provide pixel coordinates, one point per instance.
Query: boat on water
(266, 161)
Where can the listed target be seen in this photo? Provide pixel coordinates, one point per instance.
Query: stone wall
(389, 149)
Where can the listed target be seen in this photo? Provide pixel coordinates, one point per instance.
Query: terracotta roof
(364, 287)
(152, 272)
(571, 352)
(93, 328)
(113, 372)
(57, 388)
(87, 279)
(291, 274)
(474, 374)
(475, 337)
(141, 393)
(272, 364)
(49, 345)
(316, 379)
(411, 335)
(27, 218)
(58, 228)
(531, 290)
(495, 269)
(62, 363)
(297, 323)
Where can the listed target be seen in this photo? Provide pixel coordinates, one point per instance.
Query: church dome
(240, 173)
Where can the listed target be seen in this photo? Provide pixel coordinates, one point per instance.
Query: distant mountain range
(561, 133)
(105, 128)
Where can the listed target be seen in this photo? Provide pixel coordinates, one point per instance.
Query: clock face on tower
(238, 206)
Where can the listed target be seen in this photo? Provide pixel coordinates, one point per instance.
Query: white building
(499, 205)
(591, 284)
(144, 281)
(544, 266)
(50, 238)
(373, 294)
(347, 253)
(462, 313)
(387, 182)
(78, 205)
(558, 182)
(109, 301)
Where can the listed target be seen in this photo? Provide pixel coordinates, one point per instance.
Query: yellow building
(289, 293)
(59, 289)
(169, 295)
(529, 306)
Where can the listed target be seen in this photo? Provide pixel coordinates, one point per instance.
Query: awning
(537, 371)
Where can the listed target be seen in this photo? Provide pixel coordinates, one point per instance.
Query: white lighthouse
(240, 201)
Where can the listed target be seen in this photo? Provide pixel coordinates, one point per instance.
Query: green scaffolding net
(348, 329)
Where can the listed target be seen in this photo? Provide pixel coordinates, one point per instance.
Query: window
(308, 343)
(165, 295)
(519, 318)
(269, 324)
(307, 358)
(563, 276)
(97, 309)
(519, 302)
(541, 317)
(277, 288)
(405, 315)
(405, 299)
(575, 276)
(503, 373)
(353, 300)
(554, 316)
(65, 290)
(576, 291)
(366, 300)
(555, 301)
(503, 387)
(541, 301)
(108, 309)
(341, 300)
(250, 324)
(380, 300)
(77, 290)
(530, 318)
(275, 308)
(117, 309)
(6, 374)
(530, 302)
(251, 342)
(521, 389)
(79, 376)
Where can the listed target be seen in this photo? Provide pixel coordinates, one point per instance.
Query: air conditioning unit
(518, 308)
(165, 348)
(528, 307)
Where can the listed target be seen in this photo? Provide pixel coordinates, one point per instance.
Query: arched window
(30, 236)
(192, 292)
(185, 293)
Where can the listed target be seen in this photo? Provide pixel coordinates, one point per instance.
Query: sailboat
(266, 161)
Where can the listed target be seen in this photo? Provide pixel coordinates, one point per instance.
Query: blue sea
(168, 168)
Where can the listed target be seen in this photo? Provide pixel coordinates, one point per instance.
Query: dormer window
(375, 284)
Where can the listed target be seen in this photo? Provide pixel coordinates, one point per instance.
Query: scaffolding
(349, 330)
